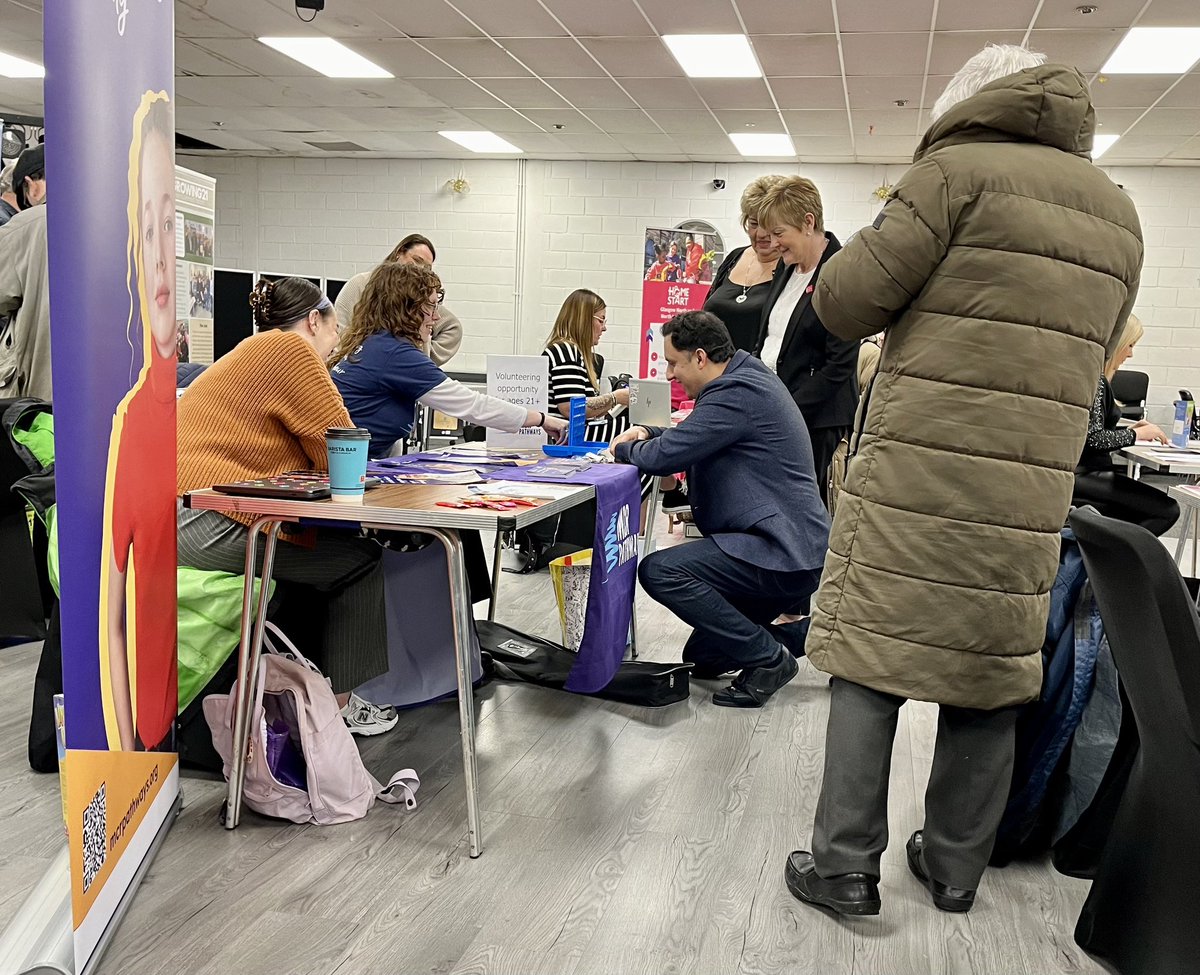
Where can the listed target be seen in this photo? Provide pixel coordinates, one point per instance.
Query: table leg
(1195, 537)
(495, 575)
(460, 607)
(248, 653)
(1184, 529)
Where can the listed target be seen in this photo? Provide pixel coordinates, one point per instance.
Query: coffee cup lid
(348, 433)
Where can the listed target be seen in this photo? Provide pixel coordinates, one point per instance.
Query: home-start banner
(678, 269)
(110, 157)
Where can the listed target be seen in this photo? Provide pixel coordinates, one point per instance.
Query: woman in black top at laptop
(575, 369)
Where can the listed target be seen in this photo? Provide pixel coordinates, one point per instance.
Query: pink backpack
(303, 764)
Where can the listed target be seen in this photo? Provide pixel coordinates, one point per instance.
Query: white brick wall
(582, 227)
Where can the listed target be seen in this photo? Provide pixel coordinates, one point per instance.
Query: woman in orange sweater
(261, 410)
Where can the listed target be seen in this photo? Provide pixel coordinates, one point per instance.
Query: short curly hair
(753, 194)
(789, 200)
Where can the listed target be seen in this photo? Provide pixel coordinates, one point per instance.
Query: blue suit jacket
(750, 469)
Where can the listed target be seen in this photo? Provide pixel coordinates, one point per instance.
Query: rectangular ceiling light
(1101, 144)
(480, 141)
(14, 67)
(714, 55)
(759, 144)
(332, 58)
(1155, 50)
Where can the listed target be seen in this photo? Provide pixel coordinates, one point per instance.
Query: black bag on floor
(518, 656)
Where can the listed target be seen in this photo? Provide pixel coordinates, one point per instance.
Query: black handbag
(511, 655)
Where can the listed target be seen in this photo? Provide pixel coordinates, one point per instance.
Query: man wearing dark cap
(25, 285)
(29, 178)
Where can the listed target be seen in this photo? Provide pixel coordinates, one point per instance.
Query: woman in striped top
(575, 370)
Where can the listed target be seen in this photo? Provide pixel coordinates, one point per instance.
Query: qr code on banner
(95, 836)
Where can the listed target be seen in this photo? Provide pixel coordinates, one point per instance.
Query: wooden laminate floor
(617, 840)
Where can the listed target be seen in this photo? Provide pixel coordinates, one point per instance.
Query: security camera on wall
(718, 184)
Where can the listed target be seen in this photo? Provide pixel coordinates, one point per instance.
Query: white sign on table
(520, 379)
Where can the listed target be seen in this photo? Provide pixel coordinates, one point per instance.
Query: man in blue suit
(753, 494)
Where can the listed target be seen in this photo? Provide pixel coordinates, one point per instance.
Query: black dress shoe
(955, 899)
(753, 687)
(853, 894)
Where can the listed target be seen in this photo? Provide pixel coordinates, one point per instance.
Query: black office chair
(1130, 389)
(1143, 914)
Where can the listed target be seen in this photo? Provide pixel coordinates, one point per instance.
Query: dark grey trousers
(345, 569)
(968, 786)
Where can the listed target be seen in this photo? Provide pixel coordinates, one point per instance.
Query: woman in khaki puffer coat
(1001, 268)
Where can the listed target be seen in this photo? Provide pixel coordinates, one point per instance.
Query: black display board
(232, 321)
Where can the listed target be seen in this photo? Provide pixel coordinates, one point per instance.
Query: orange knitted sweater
(260, 410)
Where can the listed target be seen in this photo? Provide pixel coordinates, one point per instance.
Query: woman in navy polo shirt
(382, 370)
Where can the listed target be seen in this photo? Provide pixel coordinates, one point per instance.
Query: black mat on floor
(519, 656)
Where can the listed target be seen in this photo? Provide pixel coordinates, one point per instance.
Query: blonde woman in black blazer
(816, 367)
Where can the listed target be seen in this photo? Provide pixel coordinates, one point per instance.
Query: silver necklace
(746, 287)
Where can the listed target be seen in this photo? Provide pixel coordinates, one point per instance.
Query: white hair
(6, 178)
(994, 61)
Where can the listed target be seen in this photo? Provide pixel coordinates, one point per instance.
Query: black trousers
(728, 603)
(1117, 496)
(824, 443)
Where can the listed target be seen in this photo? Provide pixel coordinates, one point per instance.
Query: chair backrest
(1130, 389)
(1152, 626)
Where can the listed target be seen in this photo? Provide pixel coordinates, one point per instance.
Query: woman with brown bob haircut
(382, 368)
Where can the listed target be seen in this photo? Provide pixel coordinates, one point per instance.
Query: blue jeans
(728, 603)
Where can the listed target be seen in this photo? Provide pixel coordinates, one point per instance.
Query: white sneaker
(366, 719)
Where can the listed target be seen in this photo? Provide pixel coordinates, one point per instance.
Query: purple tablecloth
(614, 557)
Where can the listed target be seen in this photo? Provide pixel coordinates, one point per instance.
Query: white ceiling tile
(1086, 50)
(1171, 13)
(1130, 90)
(885, 121)
(255, 58)
(191, 21)
(506, 120)
(404, 58)
(523, 93)
(952, 50)
(901, 146)
(808, 93)
(457, 92)
(773, 17)
(588, 142)
(20, 23)
(856, 17)
(1189, 150)
(1145, 147)
(821, 145)
(1114, 121)
(1178, 122)
(622, 123)
(558, 57)
(874, 93)
(678, 123)
(585, 93)
(710, 143)
(434, 18)
(798, 55)
(696, 17)
(817, 122)
(477, 57)
(602, 18)
(885, 54)
(1185, 93)
(634, 57)
(749, 120)
(652, 93)
(643, 144)
(743, 93)
(511, 18)
(1108, 13)
(190, 58)
(973, 15)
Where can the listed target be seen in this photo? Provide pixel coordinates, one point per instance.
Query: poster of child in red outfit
(137, 590)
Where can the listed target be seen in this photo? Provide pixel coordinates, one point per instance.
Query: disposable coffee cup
(347, 448)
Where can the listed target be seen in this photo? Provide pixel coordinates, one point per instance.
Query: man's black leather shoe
(853, 894)
(954, 899)
(753, 687)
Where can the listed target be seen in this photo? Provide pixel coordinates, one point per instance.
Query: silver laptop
(650, 402)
